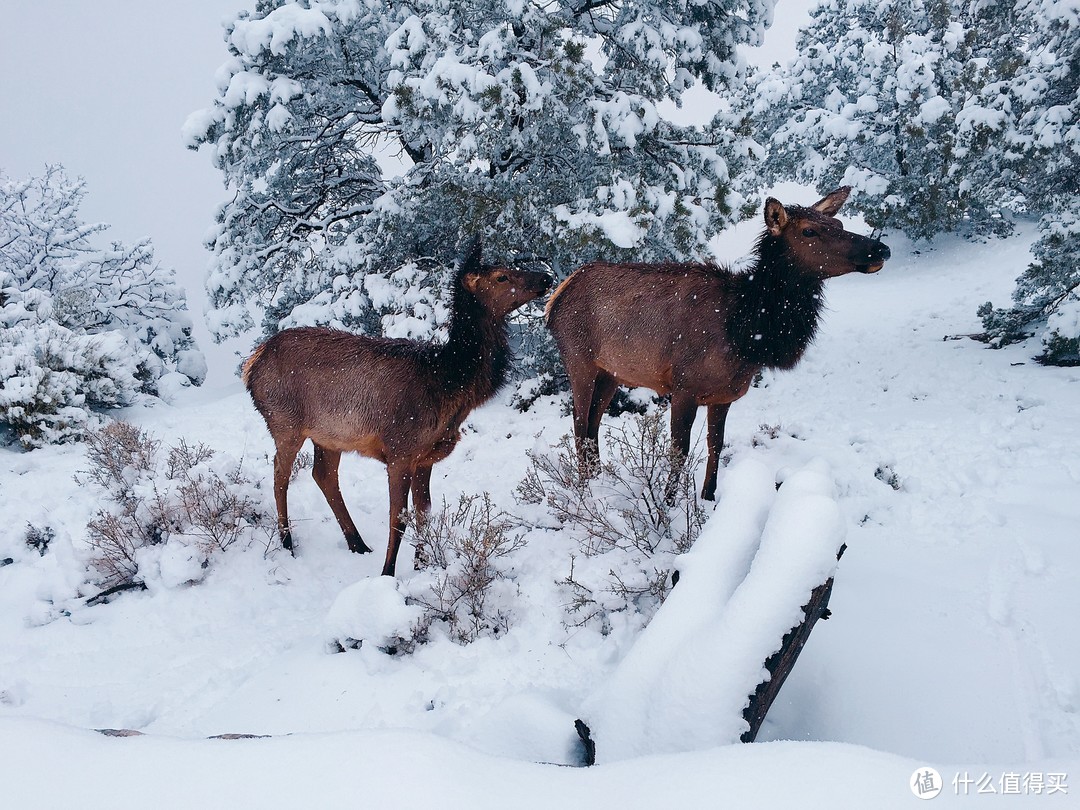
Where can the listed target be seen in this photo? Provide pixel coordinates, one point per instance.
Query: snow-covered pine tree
(1046, 301)
(993, 166)
(872, 100)
(535, 125)
(82, 327)
(1046, 90)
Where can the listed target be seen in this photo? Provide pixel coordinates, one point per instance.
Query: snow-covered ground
(952, 643)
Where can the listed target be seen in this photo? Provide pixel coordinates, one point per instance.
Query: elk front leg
(325, 473)
(717, 419)
(683, 410)
(400, 478)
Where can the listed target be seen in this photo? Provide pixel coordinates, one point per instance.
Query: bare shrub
(303, 462)
(555, 479)
(630, 519)
(582, 606)
(216, 506)
(462, 555)
(185, 495)
(122, 460)
(115, 451)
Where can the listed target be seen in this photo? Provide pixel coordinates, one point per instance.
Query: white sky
(103, 88)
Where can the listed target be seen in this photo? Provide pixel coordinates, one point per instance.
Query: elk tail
(549, 307)
(249, 364)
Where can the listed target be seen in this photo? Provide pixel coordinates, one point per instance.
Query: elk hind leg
(604, 388)
(325, 473)
(284, 456)
(583, 381)
(421, 498)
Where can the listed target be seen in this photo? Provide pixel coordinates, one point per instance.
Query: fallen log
(709, 666)
(780, 663)
(103, 597)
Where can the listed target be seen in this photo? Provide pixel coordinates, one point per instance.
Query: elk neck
(475, 360)
(776, 308)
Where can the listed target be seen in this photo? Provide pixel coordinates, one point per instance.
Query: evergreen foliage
(535, 125)
(1046, 94)
(945, 116)
(891, 98)
(1046, 301)
(82, 327)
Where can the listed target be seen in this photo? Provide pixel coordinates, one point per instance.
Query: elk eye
(809, 232)
(503, 278)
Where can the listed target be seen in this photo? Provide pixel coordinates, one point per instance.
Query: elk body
(701, 332)
(400, 401)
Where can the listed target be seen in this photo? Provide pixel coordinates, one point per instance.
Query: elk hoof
(357, 545)
(287, 542)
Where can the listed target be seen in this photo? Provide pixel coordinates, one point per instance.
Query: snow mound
(370, 611)
(530, 726)
(170, 565)
(684, 684)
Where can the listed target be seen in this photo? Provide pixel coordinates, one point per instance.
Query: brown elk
(400, 401)
(701, 332)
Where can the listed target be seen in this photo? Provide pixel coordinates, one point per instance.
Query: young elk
(700, 332)
(400, 401)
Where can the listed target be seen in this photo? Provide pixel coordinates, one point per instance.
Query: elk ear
(470, 281)
(829, 205)
(470, 262)
(775, 216)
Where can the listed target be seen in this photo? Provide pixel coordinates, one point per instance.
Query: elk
(399, 401)
(699, 331)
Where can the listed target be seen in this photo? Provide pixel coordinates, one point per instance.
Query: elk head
(815, 240)
(501, 290)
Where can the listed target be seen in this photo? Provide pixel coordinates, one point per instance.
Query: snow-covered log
(752, 587)
(780, 663)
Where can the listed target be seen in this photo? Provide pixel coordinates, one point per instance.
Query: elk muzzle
(877, 254)
(538, 282)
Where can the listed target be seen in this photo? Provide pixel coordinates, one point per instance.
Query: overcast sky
(103, 88)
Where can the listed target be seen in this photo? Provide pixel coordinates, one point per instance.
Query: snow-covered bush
(463, 554)
(630, 520)
(53, 380)
(82, 327)
(39, 538)
(168, 510)
(1061, 340)
(374, 613)
(1046, 301)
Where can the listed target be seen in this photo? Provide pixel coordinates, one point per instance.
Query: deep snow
(955, 471)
